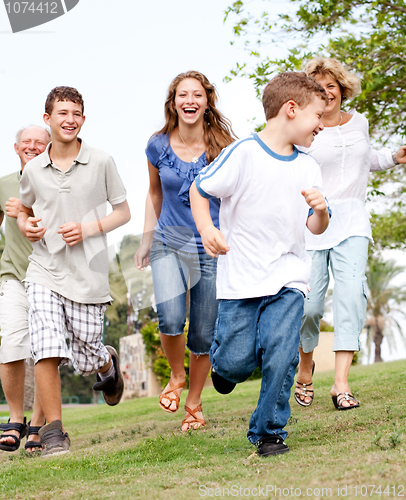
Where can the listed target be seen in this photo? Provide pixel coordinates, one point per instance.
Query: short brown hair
(349, 83)
(63, 94)
(290, 86)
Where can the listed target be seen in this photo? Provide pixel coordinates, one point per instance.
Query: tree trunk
(29, 385)
(378, 338)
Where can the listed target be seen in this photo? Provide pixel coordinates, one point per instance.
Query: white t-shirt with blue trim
(263, 217)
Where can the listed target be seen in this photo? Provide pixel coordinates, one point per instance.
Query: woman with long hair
(345, 156)
(194, 134)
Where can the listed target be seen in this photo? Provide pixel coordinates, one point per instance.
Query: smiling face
(333, 90)
(65, 120)
(308, 122)
(190, 101)
(32, 142)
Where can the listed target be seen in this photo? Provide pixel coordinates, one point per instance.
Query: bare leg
(304, 375)
(48, 384)
(12, 379)
(198, 372)
(342, 369)
(37, 420)
(174, 347)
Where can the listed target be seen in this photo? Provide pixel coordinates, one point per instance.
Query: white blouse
(346, 157)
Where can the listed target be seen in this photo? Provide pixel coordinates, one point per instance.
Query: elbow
(127, 215)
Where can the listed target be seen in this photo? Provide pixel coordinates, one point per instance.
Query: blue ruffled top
(176, 227)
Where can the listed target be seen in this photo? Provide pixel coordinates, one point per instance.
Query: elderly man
(15, 342)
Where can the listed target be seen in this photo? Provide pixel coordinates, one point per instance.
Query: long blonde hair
(218, 132)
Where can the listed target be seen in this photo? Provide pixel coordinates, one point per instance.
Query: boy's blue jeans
(264, 332)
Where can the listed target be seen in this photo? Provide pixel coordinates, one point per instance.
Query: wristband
(100, 226)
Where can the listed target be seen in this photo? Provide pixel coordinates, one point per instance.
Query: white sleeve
(220, 178)
(380, 159)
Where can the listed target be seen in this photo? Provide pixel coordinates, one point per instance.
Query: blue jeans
(172, 272)
(348, 262)
(264, 332)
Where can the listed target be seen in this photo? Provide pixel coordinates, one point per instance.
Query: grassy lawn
(136, 450)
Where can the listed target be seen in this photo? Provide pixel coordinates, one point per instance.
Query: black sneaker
(112, 387)
(222, 385)
(53, 440)
(271, 445)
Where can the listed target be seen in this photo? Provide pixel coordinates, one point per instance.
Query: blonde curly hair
(349, 83)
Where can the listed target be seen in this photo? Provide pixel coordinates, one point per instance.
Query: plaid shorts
(51, 315)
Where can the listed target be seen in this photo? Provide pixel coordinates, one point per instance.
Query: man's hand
(315, 200)
(214, 242)
(71, 233)
(32, 231)
(13, 207)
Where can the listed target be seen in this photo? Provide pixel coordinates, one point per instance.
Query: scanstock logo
(24, 15)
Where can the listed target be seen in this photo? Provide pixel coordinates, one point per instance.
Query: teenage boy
(266, 186)
(15, 337)
(64, 194)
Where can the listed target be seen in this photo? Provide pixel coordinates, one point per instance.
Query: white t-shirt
(346, 157)
(263, 217)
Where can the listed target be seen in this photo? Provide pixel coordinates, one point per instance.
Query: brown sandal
(195, 420)
(164, 395)
(302, 390)
(344, 396)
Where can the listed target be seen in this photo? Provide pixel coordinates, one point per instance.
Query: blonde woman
(194, 134)
(345, 156)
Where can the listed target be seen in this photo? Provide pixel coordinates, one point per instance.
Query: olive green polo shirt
(14, 261)
(81, 194)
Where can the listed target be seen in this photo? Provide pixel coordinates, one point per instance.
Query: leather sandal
(13, 426)
(164, 395)
(302, 390)
(33, 431)
(194, 420)
(344, 396)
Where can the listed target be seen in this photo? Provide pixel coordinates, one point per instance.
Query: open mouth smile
(189, 111)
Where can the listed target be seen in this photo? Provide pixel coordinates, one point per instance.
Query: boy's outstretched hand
(315, 199)
(318, 222)
(214, 242)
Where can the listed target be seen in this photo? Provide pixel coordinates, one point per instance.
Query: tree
(383, 302)
(368, 37)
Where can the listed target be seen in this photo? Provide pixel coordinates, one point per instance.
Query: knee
(232, 366)
(313, 310)
(171, 324)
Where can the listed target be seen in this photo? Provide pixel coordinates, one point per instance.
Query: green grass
(136, 450)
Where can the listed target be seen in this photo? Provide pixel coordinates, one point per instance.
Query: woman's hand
(141, 258)
(400, 155)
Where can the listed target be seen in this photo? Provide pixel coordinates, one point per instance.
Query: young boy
(266, 186)
(64, 195)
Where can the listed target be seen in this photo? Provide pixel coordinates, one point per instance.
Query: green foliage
(116, 327)
(153, 348)
(369, 38)
(76, 386)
